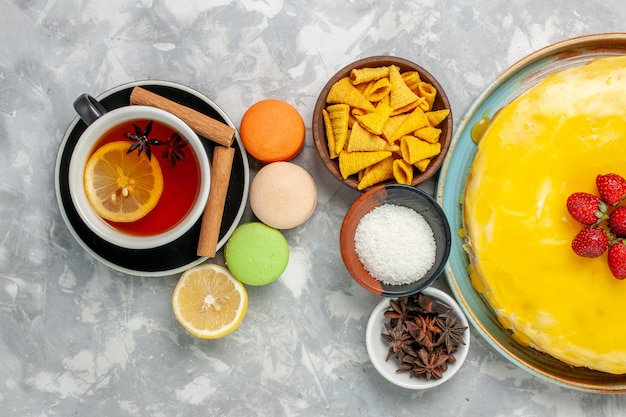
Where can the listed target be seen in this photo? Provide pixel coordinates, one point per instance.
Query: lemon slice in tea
(121, 186)
(209, 301)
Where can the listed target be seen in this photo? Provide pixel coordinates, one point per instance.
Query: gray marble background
(78, 338)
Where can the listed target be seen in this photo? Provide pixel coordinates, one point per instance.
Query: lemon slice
(209, 302)
(121, 186)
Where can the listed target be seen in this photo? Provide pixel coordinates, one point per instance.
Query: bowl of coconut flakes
(395, 240)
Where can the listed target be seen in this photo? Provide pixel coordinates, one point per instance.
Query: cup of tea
(139, 177)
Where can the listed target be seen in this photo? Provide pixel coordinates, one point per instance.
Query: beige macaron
(283, 195)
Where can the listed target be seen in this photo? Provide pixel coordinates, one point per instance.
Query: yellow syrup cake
(548, 143)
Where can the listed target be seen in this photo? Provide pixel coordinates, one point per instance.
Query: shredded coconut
(395, 244)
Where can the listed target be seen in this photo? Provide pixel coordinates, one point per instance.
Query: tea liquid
(181, 182)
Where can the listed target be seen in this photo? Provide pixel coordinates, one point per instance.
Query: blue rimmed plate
(451, 187)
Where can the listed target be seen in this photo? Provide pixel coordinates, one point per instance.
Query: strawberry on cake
(603, 231)
(555, 279)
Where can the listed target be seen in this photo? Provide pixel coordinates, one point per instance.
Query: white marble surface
(78, 338)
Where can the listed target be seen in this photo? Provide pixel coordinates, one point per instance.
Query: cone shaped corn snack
(393, 123)
(362, 140)
(422, 165)
(375, 121)
(377, 90)
(402, 171)
(420, 102)
(339, 115)
(437, 116)
(376, 173)
(343, 92)
(428, 134)
(330, 135)
(415, 120)
(400, 95)
(414, 149)
(411, 79)
(364, 75)
(427, 91)
(352, 162)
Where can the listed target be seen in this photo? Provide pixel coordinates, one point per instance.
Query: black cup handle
(88, 108)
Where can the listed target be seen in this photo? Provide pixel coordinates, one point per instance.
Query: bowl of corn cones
(382, 119)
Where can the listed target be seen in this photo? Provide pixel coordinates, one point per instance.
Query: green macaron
(256, 254)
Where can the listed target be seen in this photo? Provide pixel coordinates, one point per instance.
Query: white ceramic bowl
(377, 348)
(83, 150)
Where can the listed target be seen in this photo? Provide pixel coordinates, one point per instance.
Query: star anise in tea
(174, 149)
(424, 335)
(141, 140)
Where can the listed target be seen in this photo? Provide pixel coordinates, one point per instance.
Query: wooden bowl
(401, 195)
(441, 102)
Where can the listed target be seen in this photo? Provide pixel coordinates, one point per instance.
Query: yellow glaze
(550, 142)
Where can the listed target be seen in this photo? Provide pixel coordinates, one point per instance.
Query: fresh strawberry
(590, 242)
(612, 188)
(617, 259)
(586, 208)
(617, 221)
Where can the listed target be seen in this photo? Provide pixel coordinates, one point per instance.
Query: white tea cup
(99, 123)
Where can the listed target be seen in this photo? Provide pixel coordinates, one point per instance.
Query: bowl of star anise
(419, 341)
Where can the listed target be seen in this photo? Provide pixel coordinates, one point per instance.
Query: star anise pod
(430, 306)
(442, 352)
(419, 332)
(400, 340)
(407, 363)
(432, 325)
(428, 365)
(450, 332)
(141, 140)
(174, 149)
(399, 312)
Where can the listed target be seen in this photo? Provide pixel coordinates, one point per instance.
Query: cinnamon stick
(221, 167)
(202, 124)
